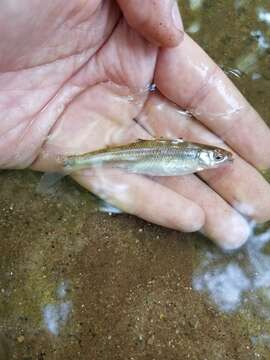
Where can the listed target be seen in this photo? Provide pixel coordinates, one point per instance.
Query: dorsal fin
(177, 141)
(137, 140)
(161, 138)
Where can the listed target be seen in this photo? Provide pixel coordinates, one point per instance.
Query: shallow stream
(77, 283)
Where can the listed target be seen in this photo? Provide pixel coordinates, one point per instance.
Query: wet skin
(67, 88)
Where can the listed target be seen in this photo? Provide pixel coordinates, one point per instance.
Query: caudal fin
(48, 182)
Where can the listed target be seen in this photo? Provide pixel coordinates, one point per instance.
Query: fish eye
(218, 156)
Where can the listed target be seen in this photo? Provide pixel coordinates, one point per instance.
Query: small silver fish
(158, 157)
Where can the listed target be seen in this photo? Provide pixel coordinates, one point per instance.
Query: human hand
(71, 89)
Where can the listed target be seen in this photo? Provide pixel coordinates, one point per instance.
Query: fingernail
(176, 17)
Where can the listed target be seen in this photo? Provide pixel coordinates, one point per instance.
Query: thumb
(159, 21)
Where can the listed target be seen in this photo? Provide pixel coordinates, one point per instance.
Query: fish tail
(67, 164)
(48, 182)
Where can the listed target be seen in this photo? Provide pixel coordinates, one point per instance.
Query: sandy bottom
(78, 284)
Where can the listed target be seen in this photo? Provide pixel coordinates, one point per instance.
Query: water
(238, 283)
(76, 283)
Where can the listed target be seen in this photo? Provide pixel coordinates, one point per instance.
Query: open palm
(79, 82)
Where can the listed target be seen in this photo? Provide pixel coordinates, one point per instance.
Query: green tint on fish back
(158, 157)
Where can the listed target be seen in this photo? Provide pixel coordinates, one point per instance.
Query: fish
(156, 157)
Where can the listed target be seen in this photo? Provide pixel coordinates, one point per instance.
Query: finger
(159, 21)
(239, 183)
(143, 197)
(98, 124)
(193, 81)
(243, 187)
(224, 225)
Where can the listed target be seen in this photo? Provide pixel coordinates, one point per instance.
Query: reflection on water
(263, 15)
(261, 39)
(56, 315)
(108, 208)
(239, 283)
(195, 4)
(225, 284)
(237, 279)
(195, 26)
(249, 62)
